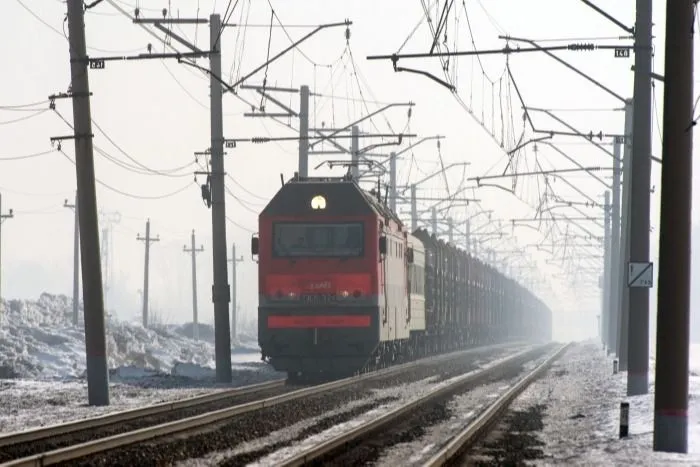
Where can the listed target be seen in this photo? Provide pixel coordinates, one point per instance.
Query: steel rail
(473, 432)
(202, 421)
(324, 448)
(62, 429)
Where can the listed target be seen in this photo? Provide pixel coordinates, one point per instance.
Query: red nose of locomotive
(303, 287)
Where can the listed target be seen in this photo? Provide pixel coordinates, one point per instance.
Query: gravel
(513, 442)
(27, 449)
(516, 439)
(414, 427)
(28, 404)
(254, 425)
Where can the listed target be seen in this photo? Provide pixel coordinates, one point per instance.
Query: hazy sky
(156, 112)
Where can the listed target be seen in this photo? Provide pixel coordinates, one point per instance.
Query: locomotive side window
(417, 279)
(304, 239)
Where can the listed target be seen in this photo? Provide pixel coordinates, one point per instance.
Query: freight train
(344, 287)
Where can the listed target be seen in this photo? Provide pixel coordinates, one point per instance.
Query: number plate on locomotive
(318, 299)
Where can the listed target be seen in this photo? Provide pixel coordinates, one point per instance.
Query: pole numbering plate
(640, 274)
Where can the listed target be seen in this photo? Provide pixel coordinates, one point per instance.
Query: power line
(130, 195)
(139, 168)
(26, 156)
(26, 117)
(24, 107)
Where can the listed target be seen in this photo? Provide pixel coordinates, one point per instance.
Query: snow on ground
(581, 423)
(38, 341)
(42, 364)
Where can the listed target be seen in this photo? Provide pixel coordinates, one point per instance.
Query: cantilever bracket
(394, 61)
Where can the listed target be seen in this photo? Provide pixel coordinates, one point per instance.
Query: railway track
(24, 443)
(338, 449)
(74, 440)
(476, 429)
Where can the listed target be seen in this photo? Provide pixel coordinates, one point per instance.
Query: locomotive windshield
(303, 239)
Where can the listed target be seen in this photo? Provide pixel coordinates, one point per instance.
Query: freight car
(345, 287)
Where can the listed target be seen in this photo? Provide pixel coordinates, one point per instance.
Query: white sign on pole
(640, 275)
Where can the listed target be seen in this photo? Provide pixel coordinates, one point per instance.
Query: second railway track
(69, 441)
(362, 443)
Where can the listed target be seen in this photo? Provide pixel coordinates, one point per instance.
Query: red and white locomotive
(344, 287)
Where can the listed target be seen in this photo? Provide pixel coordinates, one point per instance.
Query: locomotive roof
(343, 196)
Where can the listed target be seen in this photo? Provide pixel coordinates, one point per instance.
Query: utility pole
(673, 315)
(9, 215)
(220, 290)
(625, 234)
(355, 150)
(147, 240)
(234, 296)
(605, 311)
(392, 182)
(614, 257)
(450, 230)
(639, 266)
(414, 209)
(108, 219)
(76, 258)
(468, 237)
(433, 216)
(195, 319)
(93, 301)
(303, 131)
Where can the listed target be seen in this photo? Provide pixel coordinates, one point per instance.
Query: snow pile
(39, 341)
(581, 425)
(246, 341)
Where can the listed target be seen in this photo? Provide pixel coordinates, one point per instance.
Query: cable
(240, 202)
(27, 156)
(38, 18)
(26, 117)
(146, 170)
(286, 33)
(239, 225)
(23, 107)
(63, 33)
(262, 198)
(130, 195)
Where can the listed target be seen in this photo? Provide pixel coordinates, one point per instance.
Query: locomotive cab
(319, 249)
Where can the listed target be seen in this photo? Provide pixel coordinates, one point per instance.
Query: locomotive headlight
(318, 202)
(344, 293)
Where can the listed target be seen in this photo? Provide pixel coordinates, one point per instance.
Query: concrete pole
(355, 150)
(392, 182)
(613, 275)
(304, 131)
(450, 230)
(9, 215)
(624, 291)
(195, 316)
(433, 216)
(638, 347)
(234, 297)
(93, 300)
(234, 294)
(147, 239)
(606, 273)
(414, 209)
(221, 290)
(76, 258)
(673, 316)
(144, 314)
(468, 236)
